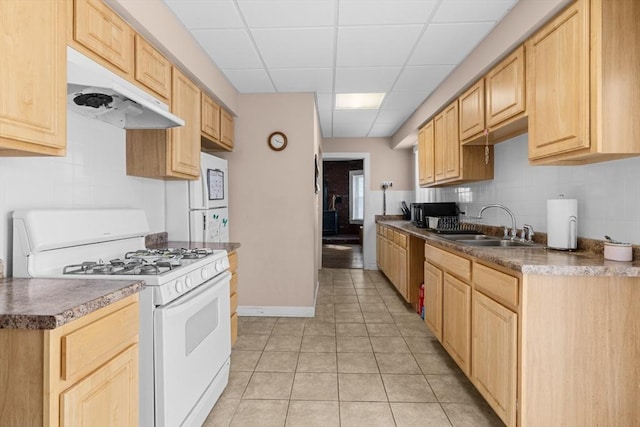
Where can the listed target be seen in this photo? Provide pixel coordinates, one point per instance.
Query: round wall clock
(277, 141)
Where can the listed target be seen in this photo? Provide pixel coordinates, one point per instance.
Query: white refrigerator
(198, 211)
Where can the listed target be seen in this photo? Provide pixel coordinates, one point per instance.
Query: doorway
(343, 210)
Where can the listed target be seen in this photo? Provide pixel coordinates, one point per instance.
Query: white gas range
(185, 341)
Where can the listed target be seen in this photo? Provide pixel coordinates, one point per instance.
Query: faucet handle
(529, 231)
(506, 232)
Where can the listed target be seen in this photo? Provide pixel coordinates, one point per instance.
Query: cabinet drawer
(233, 261)
(500, 286)
(234, 302)
(455, 264)
(88, 347)
(233, 285)
(400, 239)
(379, 229)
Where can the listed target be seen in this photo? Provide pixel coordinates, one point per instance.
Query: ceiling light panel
(375, 46)
(288, 13)
(473, 10)
(250, 81)
(295, 48)
(230, 48)
(206, 14)
(448, 43)
(365, 79)
(302, 80)
(385, 12)
(358, 101)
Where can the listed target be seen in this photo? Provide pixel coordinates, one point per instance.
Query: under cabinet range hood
(94, 91)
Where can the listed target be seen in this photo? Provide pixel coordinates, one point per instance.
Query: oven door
(192, 342)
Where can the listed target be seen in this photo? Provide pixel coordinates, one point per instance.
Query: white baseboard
(371, 266)
(275, 311)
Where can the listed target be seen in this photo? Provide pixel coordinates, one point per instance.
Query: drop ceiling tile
(229, 48)
(375, 46)
(400, 100)
(199, 14)
(385, 12)
(302, 80)
(448, 43)
(398, 116)
(365, 79)
(250, 81)
(423, 79)
(349, 129)
(295, 48)
(383, 129)
(472, 10)
(324, 101)
(288, 13)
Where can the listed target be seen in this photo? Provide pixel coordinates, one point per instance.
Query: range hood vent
(94, 91)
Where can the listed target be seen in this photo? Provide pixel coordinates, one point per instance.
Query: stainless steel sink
(488, 241)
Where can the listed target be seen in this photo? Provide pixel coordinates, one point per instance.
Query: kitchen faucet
(513, 233)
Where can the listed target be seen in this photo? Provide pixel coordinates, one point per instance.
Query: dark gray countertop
(51, 303)
(535, 260)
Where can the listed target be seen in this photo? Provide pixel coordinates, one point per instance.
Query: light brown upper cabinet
(210, 119)
(172, 153)
(472, 111)
(33, 77)
(226, 129)
(426, 165)
(217, 126)
(496, 103)
(152, 69)
(582, 84)
(102, 35)
(453, 163)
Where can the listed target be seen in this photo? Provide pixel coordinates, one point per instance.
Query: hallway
(365, 359)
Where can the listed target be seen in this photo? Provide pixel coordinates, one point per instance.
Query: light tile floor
(365, 359)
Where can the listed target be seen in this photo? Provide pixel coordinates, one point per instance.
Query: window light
(359, 101)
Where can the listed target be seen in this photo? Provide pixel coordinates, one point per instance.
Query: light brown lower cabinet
(456, 321)
(494, 355)
(84, 373)
(401, 257)
(543, 350)
(233, 294)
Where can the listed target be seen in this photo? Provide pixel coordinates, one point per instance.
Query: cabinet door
(152, 69)
(472, 111)
(456, 325)
(426, 154)
(433, 299)
(558, 84)
(226, 129)
(439, 146)
(402, 275)
(33, 78)
(210, 118)
(505, 90)
(494, 355)
(452, 142)
(102, 31)
(107, 397)
(185, 141)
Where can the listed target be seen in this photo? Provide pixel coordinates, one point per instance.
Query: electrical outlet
(387, 184)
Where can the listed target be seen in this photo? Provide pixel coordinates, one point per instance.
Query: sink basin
(488, 241)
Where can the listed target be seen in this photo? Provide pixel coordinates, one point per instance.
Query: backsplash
(92, 174)
(608, 193)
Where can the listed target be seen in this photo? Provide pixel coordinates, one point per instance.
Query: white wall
(608, 193)
(92, 174)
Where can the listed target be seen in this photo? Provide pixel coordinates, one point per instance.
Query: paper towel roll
(562, 224)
